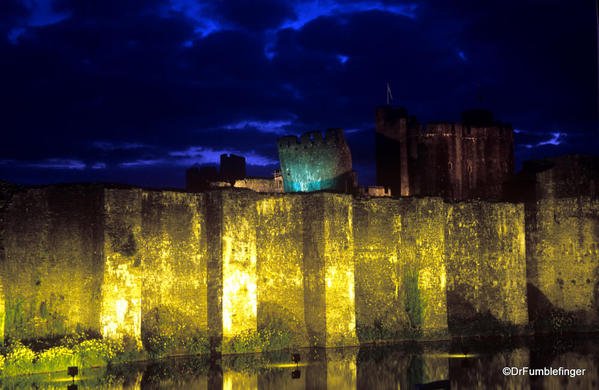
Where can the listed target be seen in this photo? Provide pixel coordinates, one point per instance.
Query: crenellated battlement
(287, 141)
(331, 137)
(469, 159)
(315, 161)
(499, 129)
(390, 113)
(327, 261)
(447, 128)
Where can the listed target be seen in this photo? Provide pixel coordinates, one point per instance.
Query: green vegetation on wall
(415, 301)
(26, 320)
(122, 240)
(166, 332)
(260, 341)
(265, 272)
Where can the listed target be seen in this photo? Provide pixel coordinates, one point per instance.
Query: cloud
(555, 139)
(308, 11)
(194, 155)
(280, 127)
(125, 83)
(532, 139)
(342, 59)
(43, 13)
(21, 16)
(99, 165)
(141, 163)
(51, 163)
(14, 34)
(255, 15)
(112, 146)
(198, 155)
(200, 14)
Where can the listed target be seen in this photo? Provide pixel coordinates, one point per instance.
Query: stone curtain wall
(52, 262)
(421, 237)
(400, 267)
(563, 262)
(258, 184)
(322, 269)
(123, 256)
(280, 265)
(278, 271)
(2, 312)
(485, 248)
(337, 245)
(174, 273)
(238, 240)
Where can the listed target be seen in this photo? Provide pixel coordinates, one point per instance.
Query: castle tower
(487, 155)
(315, 163)
(232, 167)
(454, 161)
(392, 126)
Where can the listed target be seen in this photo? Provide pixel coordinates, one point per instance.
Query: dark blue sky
(135, 91)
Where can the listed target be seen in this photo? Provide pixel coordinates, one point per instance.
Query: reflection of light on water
(451, 355)
(286, 365)
(238, 381)
(69, 379)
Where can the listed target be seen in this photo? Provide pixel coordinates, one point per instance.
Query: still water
(460, 364)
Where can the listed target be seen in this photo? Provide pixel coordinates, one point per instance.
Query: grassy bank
(17, 358)
(85, 350)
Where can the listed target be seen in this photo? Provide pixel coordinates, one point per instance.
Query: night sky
(136, 91)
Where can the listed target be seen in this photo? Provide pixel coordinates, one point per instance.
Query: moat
(465, 364)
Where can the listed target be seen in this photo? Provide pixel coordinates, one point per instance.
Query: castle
(322, 269)
(232, 168)
(232, 174)
(451, 160)
(326, 269)
(316, 163)
(455, 161)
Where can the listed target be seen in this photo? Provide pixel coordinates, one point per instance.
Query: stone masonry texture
(330, 269)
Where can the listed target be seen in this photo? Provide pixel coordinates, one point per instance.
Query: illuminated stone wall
(260, 184)
(311, 293)
(333, 232)
(280, 290)
(560, 195)
(2, 312)
(238, 241)
(563, 261)
(123, 256)
(6, 192)
(322, 267)
(174, 268)
(51, 265)
(400, 267)
(486, 265)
